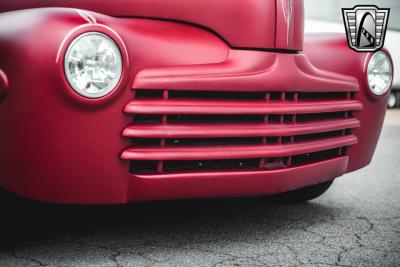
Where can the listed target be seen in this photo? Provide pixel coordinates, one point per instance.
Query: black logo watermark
(366, 27)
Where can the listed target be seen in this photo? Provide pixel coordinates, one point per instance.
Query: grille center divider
(230, 131)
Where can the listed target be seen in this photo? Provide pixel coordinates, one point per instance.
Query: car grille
(183, 131)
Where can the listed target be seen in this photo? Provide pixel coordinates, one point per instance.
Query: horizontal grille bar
(238, 107)
(235, 130)
(235, 152)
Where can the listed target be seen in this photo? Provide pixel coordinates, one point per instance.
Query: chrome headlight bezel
(113, 83)
(377, 82)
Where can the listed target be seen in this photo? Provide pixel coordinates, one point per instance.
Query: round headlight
(93, 65)
(380, 73)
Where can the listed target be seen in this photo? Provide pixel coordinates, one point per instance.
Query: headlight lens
(93, 65)
(380, 73)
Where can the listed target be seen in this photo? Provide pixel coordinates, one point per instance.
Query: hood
(259, 24)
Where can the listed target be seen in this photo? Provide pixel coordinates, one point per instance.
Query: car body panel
(57, 146)
(374, 111)
(243, 23)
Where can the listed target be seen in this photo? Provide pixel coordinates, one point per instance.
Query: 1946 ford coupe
(110, 102)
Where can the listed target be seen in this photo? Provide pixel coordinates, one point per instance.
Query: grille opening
(147, 119)
(230, 95)
(290, 96)
(323, 96)
(151, 167)
(274, 118)
(214, 141)
(315, 136)
(274, 163)
(146, 142)
(349, 114)
(143, 166)
(217, 95)
(148, 94)
(288, 118)
(314, 157)
(275, 96)
(273, 140)
(211, 165)
(348, 131)
(218, 119)
(286, 140)
(310, 117)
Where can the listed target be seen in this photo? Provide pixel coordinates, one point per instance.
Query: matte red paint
(243, 69)
(234, 152)
(238, 107)
(339, 58)
(57, 146)
(221, 184)
(3, 83)
(235, 130)
(289, 24)
(243, 23)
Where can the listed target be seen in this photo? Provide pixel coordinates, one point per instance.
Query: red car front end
(230, 102)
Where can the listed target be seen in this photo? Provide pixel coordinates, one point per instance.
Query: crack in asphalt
(36, 262)
(113, 257)
(231, 259)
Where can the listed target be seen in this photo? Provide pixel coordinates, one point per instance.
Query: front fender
(58, 144)
(330, 52)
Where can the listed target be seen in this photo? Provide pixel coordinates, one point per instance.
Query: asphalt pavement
(356, 223)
